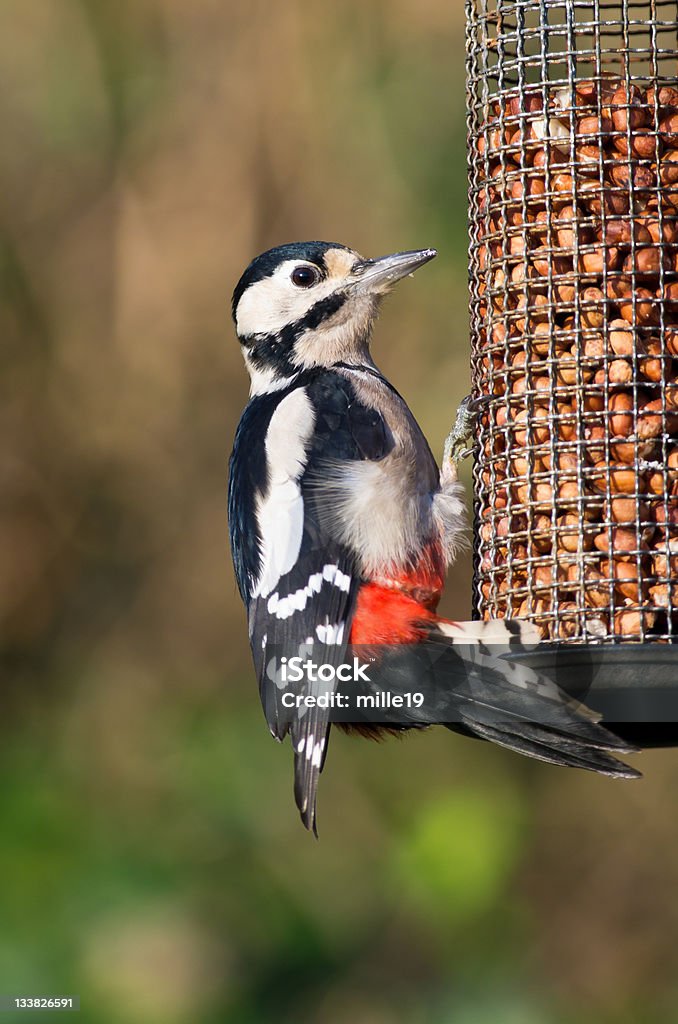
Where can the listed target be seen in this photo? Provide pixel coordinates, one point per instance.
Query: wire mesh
(573, 212)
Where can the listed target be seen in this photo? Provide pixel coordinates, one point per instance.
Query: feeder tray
(634, 687)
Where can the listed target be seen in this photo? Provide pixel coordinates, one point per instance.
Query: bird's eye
(304, 277)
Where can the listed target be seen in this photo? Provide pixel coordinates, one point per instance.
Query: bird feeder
(573, 211)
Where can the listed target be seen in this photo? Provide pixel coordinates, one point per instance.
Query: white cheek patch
(269, 305)
(280, 513)
(343, 336)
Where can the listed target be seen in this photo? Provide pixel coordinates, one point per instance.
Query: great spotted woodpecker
(341, 524)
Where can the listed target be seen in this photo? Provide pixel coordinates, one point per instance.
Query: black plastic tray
(634, 686)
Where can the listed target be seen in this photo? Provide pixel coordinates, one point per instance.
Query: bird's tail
(475, 679)
(500, 632)
(506, 701)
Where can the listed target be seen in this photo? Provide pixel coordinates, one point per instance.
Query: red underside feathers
(397, 609)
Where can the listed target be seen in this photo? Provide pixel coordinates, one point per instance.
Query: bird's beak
(377, 276)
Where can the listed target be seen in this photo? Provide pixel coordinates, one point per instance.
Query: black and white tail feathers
(473, 686)
(509, 703)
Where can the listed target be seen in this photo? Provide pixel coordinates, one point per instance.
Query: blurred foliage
(151, 857)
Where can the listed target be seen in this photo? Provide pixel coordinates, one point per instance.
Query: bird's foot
(460, 441)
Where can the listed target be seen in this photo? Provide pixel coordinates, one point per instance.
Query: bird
(342, 525)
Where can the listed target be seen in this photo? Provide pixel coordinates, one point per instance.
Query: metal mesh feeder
(573, 210)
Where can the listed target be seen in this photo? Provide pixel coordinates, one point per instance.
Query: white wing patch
(280, 513)
(283, 607)
(333, 574)
(330, 634)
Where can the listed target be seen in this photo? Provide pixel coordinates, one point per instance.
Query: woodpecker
(341, 524)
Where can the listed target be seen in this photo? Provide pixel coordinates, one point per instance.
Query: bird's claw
(460, 441)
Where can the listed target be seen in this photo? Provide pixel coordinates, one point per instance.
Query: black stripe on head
(266, 264)
(274, 351)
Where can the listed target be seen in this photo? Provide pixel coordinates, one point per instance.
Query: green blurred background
(151, 858)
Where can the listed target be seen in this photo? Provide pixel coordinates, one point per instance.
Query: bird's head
(310, 304)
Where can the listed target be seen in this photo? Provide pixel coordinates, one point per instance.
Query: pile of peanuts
(574, 305)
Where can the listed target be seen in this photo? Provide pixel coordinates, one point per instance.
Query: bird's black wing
(278, 520)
